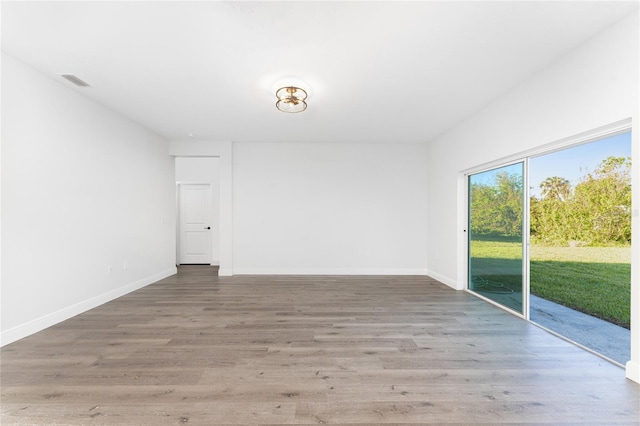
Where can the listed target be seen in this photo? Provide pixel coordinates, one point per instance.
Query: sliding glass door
(573, 207)
(495, 231)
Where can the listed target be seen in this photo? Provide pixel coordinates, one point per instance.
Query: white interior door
(195, 224)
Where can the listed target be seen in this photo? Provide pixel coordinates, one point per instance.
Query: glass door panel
(580, 252)
(496, 206)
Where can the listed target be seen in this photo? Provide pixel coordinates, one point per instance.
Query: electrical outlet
(109, 269)
(124, 266)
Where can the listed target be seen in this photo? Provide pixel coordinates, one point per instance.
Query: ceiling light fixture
(291, 99)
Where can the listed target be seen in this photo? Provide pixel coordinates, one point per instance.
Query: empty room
(344, 212)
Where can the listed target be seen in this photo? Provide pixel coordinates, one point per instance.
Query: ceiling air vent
(75, 80)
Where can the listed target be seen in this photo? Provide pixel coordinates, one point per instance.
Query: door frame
(622, 126)
(210, 219)
(525, 233)
(548, 148)
(224, 152)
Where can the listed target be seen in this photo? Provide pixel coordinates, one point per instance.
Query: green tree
(508, 205)
(602, 203)
(482, 202)
(596, 212)
(549, 221)
(496, 208)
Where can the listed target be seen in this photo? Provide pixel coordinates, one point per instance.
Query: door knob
(208, 227)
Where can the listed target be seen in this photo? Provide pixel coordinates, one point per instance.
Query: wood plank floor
(199, 349)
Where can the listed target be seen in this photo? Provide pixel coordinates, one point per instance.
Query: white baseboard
(225, 272)
(329, 271)
(38, 324)
(444, 280)
(633, 371)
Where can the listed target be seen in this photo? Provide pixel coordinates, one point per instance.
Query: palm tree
(556, 187)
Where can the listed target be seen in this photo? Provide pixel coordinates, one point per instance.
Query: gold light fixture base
(291, 99)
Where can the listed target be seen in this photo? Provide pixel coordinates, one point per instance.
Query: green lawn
(594, 280)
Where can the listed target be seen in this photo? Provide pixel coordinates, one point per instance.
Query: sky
(571, 163)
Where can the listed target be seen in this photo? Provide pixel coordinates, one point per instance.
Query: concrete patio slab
(603, 337)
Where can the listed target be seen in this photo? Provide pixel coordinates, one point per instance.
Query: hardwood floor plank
(487, 412)
(150, 414)
(196, 348)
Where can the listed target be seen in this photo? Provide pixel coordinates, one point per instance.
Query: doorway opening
(198, 211)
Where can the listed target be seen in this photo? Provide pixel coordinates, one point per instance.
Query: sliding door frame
(525, 232)
(524, 156)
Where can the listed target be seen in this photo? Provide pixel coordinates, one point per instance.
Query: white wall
(204, 170)
(329, 208)
(82, 189)
(594, 86)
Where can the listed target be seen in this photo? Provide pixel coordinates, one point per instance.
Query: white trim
(444, 280)
(633, 371)
(38, 324)
(568, 142)
(526, 239)
(225, 272)
(329, 271)
(633, 365)
(463, 233)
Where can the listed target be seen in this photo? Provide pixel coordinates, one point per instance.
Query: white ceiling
(375, 71)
